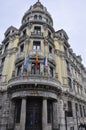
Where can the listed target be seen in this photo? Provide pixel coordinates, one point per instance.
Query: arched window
(35, 17)
(40, 17)
(28, 18)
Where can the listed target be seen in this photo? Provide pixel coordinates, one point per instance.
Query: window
(6, 46)
(65, 50)
(47, 20)
(17, 111)
(50, 49)
(24, 32)
(36, 45)
(49, 111)
(49, 34)
(22, 48)
(70, 113)
(12, 31)
(0, 52)
(81, 90)
(0, 77)
(74, 85)
(51, 71)
(34, 69)
(40, 17)
(7, 34)
(35, 17)
(37, 30)
(68, 67)
(69, 83)
(80, 110)
(72, 128)
(84, 111)
(3, 60)
(76, 108)
(28, 18)
(19, 69)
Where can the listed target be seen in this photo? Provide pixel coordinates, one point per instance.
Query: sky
(69, 15)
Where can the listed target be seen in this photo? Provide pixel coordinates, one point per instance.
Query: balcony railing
(50, 39)
(34, 79)
(33, 52)
(51, 56)
(22, 38)
(20, 56)
(37, 33)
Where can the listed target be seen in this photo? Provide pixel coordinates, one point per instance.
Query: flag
(44, 60)
(36, 62)
(45, 64)
(26, 63)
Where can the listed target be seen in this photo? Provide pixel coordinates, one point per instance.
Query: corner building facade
(42, 82)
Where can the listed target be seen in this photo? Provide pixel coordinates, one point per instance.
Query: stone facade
(42, 81)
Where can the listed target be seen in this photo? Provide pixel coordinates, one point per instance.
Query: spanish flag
(36, 60)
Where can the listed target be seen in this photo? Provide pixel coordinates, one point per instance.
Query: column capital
(44, 98)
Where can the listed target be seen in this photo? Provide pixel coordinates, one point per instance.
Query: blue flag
(26, 63)
(44, 60)
(45, 64)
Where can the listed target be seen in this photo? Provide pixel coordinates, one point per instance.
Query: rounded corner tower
(37, 12)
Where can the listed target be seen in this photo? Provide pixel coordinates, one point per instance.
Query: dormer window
(7, 34)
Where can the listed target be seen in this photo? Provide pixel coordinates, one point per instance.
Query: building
(42, 81)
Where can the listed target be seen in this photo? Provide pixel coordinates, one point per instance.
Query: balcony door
(34, 114)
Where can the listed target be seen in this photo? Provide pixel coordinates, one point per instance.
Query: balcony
(51, 57)
(36, 80)
(19, 56)
(50, 39)
(22, 38)
(33, 52)
(37, 34)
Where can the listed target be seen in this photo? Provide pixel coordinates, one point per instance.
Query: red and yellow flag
(36, 60)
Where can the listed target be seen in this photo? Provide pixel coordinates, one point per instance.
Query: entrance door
(34, 114)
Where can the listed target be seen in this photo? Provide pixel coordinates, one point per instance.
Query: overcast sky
(69, 15)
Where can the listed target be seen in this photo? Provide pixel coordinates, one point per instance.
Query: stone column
(23, 114)
(55, 116)
(61, 115)
(44, 114)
